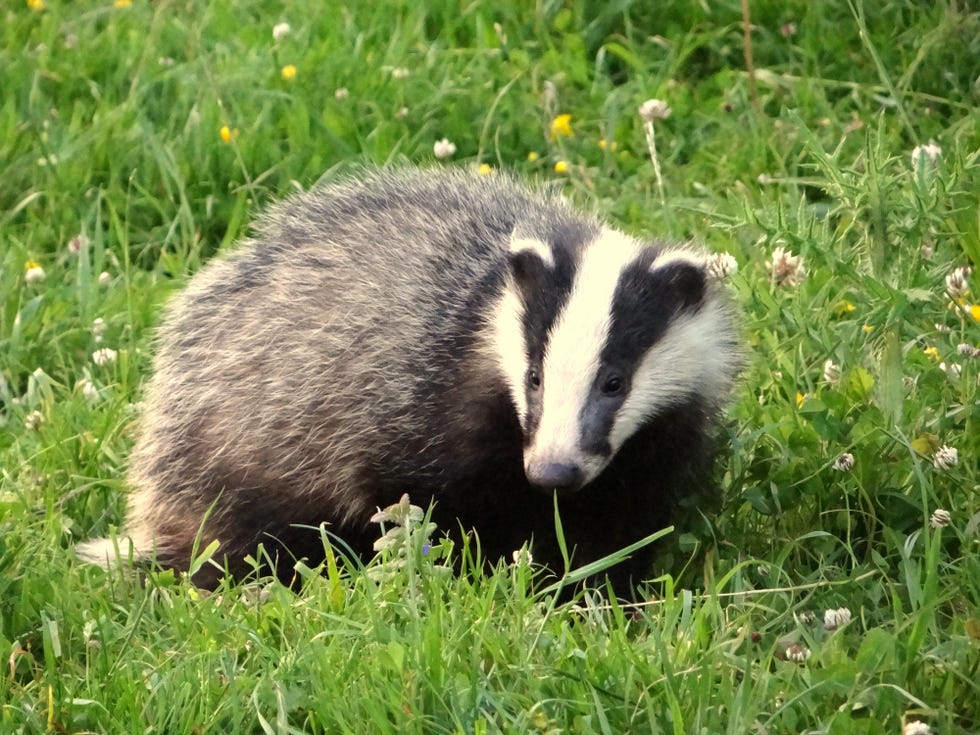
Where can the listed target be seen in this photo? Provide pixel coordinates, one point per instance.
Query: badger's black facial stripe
(645, 302)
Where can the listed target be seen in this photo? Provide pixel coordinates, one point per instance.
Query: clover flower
(785, 269)
(341, 93)
(400, 72)
(831, 372)
(968, 351)
(444, 148)
(98, 328)
(940, 518)
(33, 273)
(104, 279)
(922, 153)
(76, 244)
(844, 463)
(722, 265)
(104, 356)
(651, 110)
(914, 727)
(33, 420)
(958, 283)
(945, 457)
(797, 653)
(280, 31)
(834, 619)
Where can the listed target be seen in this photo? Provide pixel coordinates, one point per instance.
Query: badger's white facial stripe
(507, 336)
(573, 351)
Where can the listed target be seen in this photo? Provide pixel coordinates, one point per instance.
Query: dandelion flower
(561, 167)
(958, 283)
(444, 148)
(722, 265)
(33, 273)
(649, 111)
(834, 619)
(36, 5)
(533, 156)
(288, 71)
(122, 3)
(940, 518)
(104, 356)
(280, 31)
(485, 169)
(844, 463)
(974, 310)
(341, 93)
(945, 457)
(561, 127)
(607, 145)
(797, 653)
(228, 134)
(786, 269)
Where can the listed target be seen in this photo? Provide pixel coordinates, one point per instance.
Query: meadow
(837, 587)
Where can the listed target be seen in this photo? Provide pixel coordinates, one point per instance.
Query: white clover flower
(34, 274)
(654, 109)
(522, 556)
(722, 265)
(341, 93)
(33, 420)
(798, 653)
(98, 328)
(914, 727)
(831, 372)
(104, 279)
(968, 351)
(922, 153)
(844, 463)
(401, 113)
(785, 268)
(280, 31)
(104, 356)
(76, 244)
(940, 518)
(834, 619)
(807, 617)
(953, 370)
(942, 328)
(400, 72)
(945, 457)
(444, 148)
(957, 282)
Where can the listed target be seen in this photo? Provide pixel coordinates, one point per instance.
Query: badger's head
(597, 340)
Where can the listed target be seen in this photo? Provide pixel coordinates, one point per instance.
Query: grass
(110, 132)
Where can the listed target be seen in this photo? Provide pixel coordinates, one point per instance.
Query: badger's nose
(555, 476)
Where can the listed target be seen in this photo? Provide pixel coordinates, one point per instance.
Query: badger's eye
(533, 379)
(613, 386)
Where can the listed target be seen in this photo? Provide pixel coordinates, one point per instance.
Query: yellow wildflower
(561, 127)
(867, 328)
(932, 353)
(485, 168)
(533, 156)
(975, 312)
(800, 397)
(35, 4)
(228, 134)
(122, 3)
(605, 144)
(561, 167)
(843, 307)
(31, 264)
(288, 71)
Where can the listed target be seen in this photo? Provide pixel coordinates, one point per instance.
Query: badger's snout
(559, 476)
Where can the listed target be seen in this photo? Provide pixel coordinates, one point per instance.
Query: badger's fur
(458, 338)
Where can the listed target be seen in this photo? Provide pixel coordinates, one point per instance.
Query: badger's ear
(531, 262)
(681, 278)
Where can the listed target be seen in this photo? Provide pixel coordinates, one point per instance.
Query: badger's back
(375, 338)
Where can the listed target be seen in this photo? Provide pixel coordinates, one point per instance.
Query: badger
(469, 340)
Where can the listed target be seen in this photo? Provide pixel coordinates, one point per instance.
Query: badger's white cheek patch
(507, 333)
